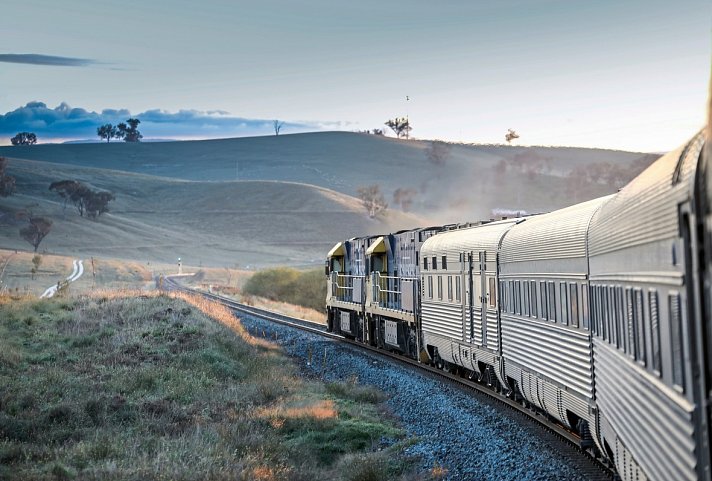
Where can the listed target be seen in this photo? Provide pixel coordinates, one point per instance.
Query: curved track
(596, 470)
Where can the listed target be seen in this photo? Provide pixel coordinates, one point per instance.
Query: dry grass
(142, 385)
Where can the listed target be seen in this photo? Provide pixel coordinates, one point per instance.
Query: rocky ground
(455, 432)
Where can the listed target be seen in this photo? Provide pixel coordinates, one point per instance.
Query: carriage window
(435, 263)
(573, 302)
(449, 288)
(440, 287)
(678, 355)
(563, 300)
(592, 309)
(622, 320)
(430, 287)
(603, 312)
(458, 297)
(552, 301)
(639, 317)
(532, 286)
(585, 308)
(656, 361)
(526, 298)
(517, 297)
(425, 263)
(630, 319)
(542, 292)
(444, 259)
(492, 292)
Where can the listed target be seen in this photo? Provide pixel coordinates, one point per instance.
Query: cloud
(37, 59)
(65, 122)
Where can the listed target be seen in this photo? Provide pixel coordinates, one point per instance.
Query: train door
(469, 299)
(482, 298)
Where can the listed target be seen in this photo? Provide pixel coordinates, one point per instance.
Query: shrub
(303, 288)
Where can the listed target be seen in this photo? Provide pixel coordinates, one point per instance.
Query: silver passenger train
(598, 315)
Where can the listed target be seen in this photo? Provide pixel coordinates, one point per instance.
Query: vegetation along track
(593, 468)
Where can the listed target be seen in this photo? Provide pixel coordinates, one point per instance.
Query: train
(597, 315)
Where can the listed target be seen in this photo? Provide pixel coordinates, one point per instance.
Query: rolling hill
(245, 223)
(469, 183)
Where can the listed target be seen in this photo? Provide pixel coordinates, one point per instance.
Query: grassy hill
(243, 223)
(471, 181)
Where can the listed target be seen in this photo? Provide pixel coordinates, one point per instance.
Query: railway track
(593, 468)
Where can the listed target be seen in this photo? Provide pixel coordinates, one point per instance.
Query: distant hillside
(468, 184)
(205, 223)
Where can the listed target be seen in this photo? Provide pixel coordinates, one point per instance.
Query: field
(217, 224)
(119, 386)
(466, 185)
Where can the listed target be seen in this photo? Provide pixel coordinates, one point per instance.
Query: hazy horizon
(630, 76)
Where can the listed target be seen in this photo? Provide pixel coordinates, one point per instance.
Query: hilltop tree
(400, 126)
(438, 152)
(510, 135)
(7, 182)
(36, 230)
(108, 132)
(277, 126)
(372, 199)
(130, 133)
(24, 138)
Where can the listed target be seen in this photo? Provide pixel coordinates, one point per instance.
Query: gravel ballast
(472, 437)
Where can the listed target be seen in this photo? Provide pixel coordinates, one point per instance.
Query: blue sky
(632, 75)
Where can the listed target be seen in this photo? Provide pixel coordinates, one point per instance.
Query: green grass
(152, 388)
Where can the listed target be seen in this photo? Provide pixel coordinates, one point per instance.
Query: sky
(630, 75)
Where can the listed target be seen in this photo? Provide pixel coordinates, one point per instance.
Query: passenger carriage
(460, 325)
(650, 333)
(546, 337)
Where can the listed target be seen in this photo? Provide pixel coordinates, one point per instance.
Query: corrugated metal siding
(558, 235)
(657, 430)
(442, 318)
(645, 210)
(560, 354)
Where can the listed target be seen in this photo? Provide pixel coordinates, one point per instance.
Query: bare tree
(372, 199)
(36, 230)
(277, 126)
(404, 198)
(510, 135)
(438, 152)
(400, 126)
